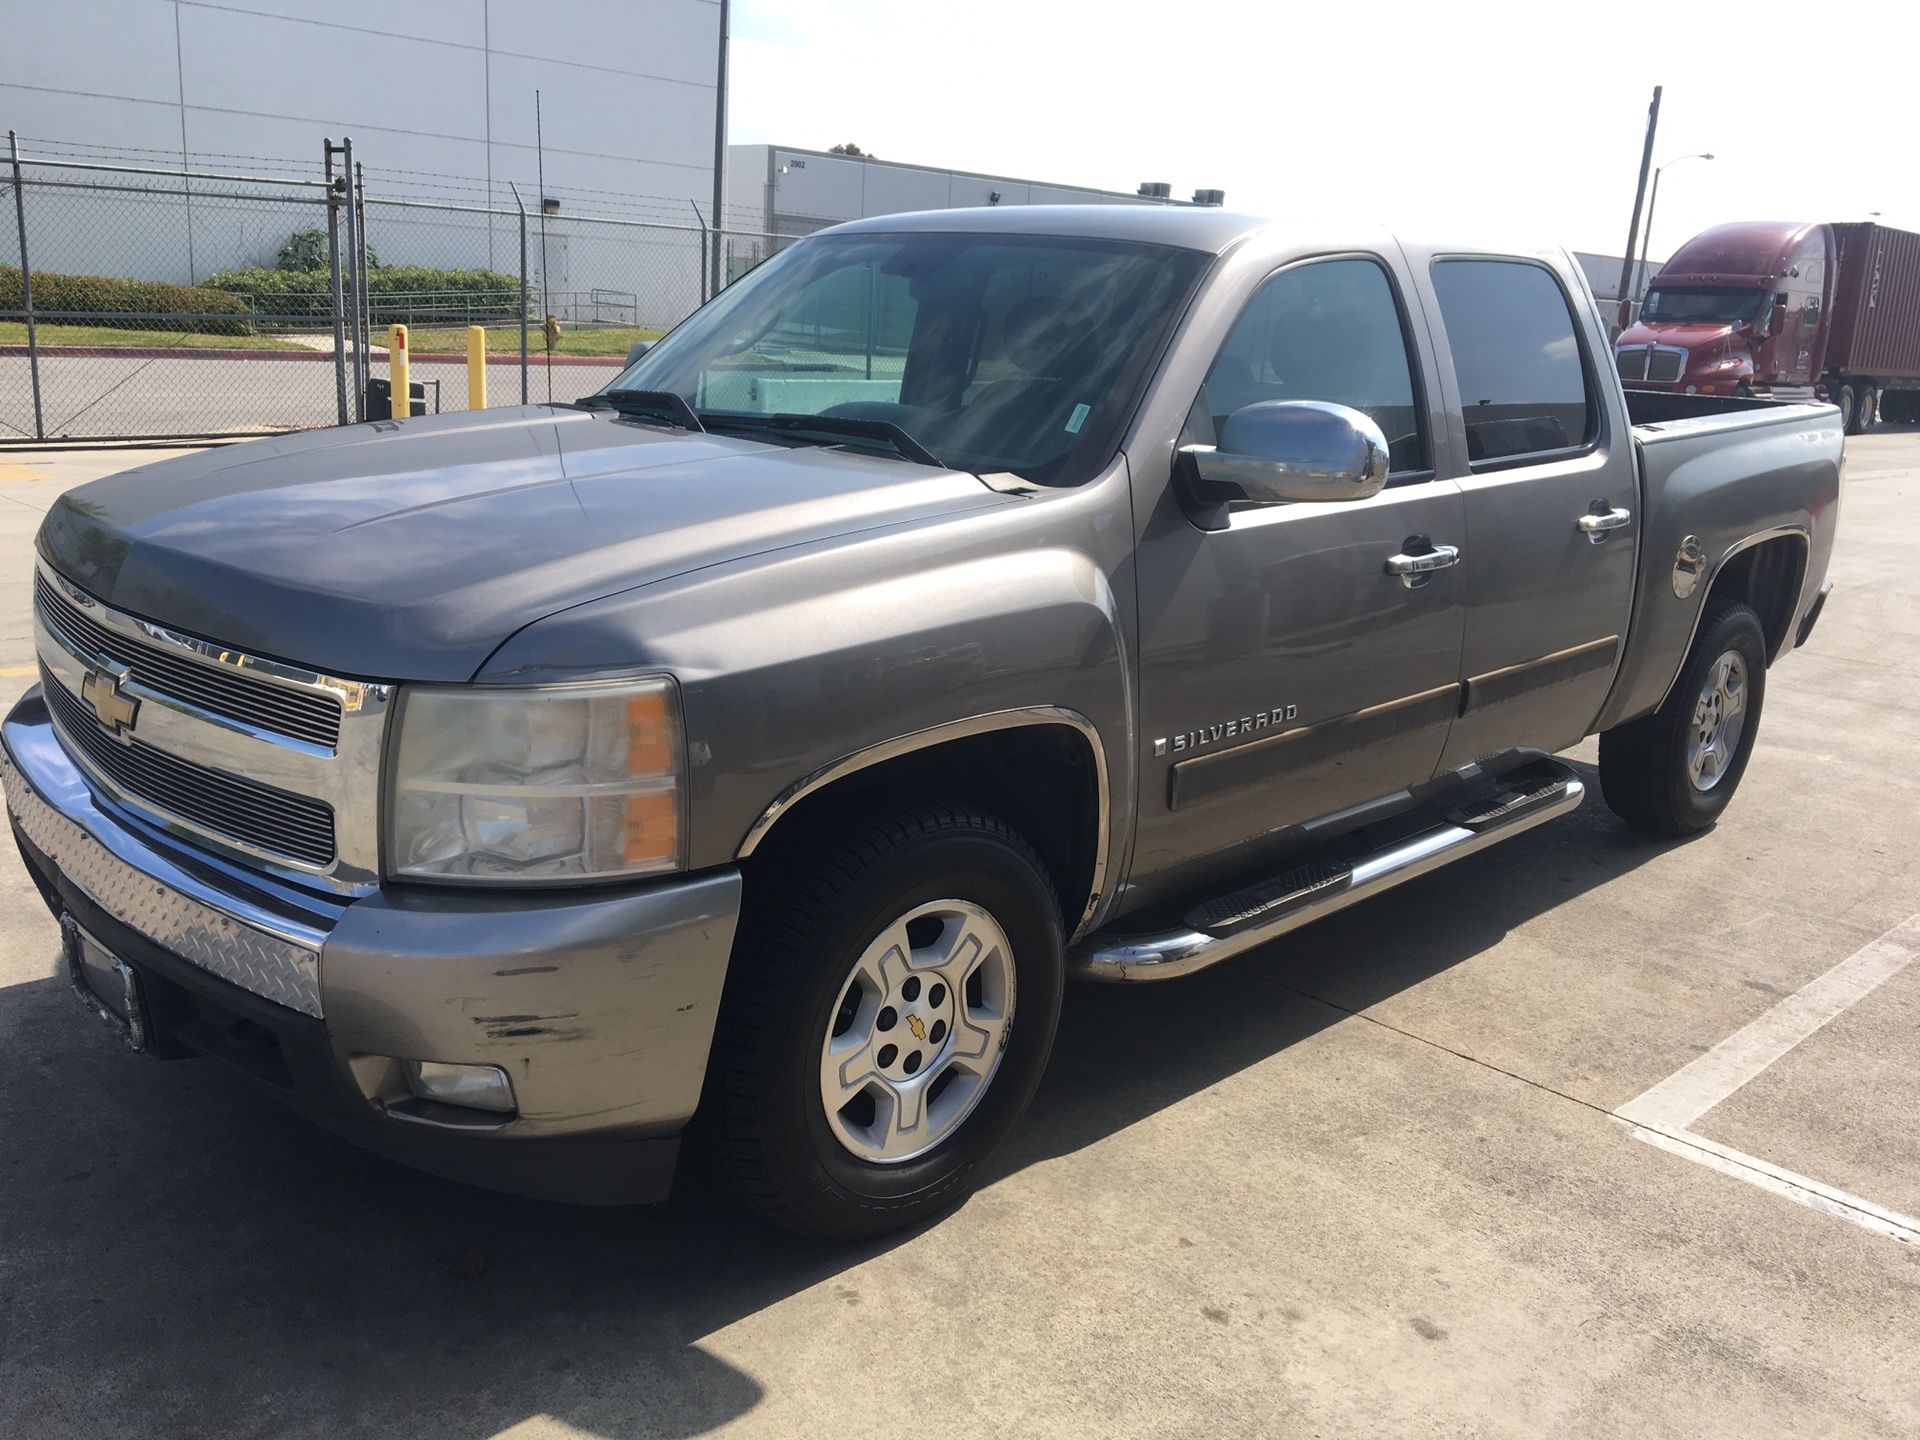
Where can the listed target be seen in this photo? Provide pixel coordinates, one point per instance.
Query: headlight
(576, 782)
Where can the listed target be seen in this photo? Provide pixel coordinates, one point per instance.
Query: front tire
(1674, 771)
(890, 1006)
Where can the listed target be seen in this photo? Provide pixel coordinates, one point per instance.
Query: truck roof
(1750, 253)
(1189, 227)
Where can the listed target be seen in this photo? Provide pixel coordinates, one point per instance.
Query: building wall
(438, 97)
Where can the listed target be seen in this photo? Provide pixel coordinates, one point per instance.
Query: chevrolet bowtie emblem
(101, 690)
(918, 1026)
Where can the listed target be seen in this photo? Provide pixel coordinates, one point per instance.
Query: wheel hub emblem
(918, 1026)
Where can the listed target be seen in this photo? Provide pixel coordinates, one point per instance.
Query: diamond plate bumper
(272, 952)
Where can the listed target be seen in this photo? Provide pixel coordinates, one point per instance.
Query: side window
(1516, 356)
(1329, 330)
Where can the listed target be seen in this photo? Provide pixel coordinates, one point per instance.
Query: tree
(307, 250)
(850, 149)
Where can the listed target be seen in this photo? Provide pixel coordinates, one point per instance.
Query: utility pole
(1639, 197)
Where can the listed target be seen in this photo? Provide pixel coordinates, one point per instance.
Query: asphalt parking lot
(1373, 1180)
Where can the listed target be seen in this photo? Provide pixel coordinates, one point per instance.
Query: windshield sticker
(1078, 418)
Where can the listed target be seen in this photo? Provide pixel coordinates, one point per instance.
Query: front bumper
(599, 1004)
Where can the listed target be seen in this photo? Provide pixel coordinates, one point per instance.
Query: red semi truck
(1789, 309)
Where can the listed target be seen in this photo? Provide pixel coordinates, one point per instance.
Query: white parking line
(1661, 1115)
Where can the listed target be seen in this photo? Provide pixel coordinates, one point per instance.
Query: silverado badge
(1227, 729)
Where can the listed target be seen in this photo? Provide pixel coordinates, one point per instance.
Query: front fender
(793, 662)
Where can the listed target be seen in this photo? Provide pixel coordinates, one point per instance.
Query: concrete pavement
(1368, 1181)
(84, 395)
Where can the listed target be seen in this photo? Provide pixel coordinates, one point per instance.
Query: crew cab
(958, 603)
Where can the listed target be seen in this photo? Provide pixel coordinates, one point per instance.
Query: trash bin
(380, 399)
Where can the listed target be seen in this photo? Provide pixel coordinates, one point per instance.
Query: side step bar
(1234, 924)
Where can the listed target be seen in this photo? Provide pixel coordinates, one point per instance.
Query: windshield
(1701, 305)
(1010, 353)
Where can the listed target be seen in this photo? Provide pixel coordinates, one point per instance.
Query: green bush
(126, 304)
(307, 250)
(395, 291)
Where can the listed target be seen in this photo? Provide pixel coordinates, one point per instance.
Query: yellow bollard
(397, 371)
(476, 367)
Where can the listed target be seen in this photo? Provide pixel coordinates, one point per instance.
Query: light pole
(1646, 235)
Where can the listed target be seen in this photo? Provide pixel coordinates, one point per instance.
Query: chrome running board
(1263, 912)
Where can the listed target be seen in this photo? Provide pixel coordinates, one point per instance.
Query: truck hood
(1689, 337)
(410, 552)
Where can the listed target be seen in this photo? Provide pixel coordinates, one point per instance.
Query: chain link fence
(145, 302)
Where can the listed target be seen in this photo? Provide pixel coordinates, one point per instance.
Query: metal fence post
(26, 287)
(336, 296)
(359, 357)
(363, 299)
(522, 205)
(701, 222)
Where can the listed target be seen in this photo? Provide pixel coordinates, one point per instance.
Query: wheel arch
(1767, 572)
(1008, 762)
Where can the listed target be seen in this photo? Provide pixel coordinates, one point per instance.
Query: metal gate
(143, 302)
(109, 326)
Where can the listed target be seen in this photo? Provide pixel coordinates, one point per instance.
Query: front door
(1286, 674)
(1552, 509)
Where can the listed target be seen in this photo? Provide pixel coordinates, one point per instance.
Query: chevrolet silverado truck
(958, 603)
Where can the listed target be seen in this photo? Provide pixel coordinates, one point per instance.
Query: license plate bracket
(106, 984)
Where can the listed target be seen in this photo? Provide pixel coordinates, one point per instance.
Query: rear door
(1544, 460)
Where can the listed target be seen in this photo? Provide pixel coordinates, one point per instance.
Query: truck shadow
(176, 1247)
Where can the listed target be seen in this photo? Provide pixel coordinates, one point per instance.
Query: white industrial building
(438, 98)
(788, 190)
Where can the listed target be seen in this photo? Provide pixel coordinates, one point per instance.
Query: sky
(1445, 121)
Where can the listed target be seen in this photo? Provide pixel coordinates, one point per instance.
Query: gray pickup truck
(957, 603)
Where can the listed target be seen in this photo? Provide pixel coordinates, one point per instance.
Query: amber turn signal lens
(649, 734)
(652, 829)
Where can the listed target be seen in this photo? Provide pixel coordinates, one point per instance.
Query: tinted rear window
(1516, 357)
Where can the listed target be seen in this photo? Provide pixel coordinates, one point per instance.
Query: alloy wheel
(1719, 719)
(918, 1031)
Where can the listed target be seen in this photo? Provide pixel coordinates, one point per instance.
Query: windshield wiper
(653, 404)
(846, 426)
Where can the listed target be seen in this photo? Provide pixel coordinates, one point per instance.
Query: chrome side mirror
(1281, 451)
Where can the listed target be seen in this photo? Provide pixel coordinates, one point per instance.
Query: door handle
(1412, 569)
(1597, 522)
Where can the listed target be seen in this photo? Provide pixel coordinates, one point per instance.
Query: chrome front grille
(294, 826)
(271, 764)
(1664, 366)
(313, 716)
(1654, 364)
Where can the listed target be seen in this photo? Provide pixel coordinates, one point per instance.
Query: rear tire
(1848, 416)
(830, 978)
(1865, 409)
(1674, 771)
